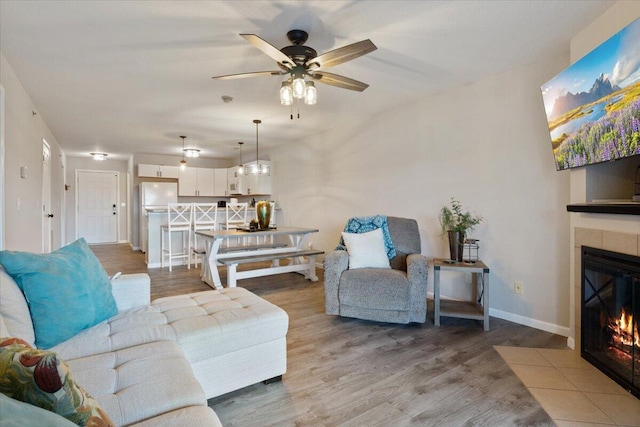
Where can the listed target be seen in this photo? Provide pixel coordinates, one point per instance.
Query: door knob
(50, 215)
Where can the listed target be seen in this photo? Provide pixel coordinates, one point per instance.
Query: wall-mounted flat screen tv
(593, 107)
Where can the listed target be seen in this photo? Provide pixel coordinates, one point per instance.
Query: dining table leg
(212, 278)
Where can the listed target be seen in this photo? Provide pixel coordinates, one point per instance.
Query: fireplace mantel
(624, 208)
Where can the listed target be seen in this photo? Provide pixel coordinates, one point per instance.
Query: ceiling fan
(299, 61)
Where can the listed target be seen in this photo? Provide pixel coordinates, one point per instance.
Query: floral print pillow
(41, 378)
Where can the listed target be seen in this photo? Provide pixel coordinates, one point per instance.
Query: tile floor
(572, 391)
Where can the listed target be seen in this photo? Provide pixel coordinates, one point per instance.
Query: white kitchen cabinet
(196, 182)
(234, 181)
(158, 171)
(220, 182)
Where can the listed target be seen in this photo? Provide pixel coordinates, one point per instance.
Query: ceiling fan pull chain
(291, 107)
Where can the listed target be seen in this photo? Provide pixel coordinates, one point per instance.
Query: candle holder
(470, 251)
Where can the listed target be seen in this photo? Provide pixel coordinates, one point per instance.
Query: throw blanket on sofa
(364, 224)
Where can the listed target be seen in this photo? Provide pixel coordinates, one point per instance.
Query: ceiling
(127, 77)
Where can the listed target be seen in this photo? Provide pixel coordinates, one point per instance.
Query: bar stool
(179, 217)
(236, 215)
(205, 218)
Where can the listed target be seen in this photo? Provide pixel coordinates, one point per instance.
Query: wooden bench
(228, 249)
(298, 264)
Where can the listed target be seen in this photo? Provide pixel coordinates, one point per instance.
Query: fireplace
(610, 315)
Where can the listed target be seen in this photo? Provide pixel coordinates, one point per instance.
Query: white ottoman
(232, 337)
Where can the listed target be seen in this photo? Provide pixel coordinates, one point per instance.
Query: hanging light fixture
(241, 165)
(183, 162)
(192, 152)
(256, 168)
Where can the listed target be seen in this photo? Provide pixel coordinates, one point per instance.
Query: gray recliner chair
(396, 295)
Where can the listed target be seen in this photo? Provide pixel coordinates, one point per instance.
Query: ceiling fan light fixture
(192, 152)
(310, 94)
(286, 94)
(298, 85)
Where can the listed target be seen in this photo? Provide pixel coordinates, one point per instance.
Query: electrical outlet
(518, 287)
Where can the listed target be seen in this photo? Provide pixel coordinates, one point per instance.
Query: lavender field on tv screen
(593, 107)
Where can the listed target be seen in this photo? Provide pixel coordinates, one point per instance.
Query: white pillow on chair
(366, 250)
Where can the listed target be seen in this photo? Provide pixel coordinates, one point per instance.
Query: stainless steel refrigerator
(156, 196)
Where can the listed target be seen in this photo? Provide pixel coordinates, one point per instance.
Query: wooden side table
(462, 309)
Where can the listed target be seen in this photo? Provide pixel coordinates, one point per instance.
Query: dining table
(226, 247)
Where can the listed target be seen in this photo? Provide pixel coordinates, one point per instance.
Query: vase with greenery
(456, 224)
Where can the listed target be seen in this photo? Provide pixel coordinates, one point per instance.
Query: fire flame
(625, 332)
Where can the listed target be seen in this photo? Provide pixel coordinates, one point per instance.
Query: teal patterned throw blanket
(364, 224)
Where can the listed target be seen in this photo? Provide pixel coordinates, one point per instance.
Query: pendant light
(256, 168)
(241, 165)
(183, 162)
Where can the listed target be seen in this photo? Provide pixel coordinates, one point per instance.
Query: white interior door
(47, 211)
(97, 206)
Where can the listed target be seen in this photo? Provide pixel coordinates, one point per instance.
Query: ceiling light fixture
(99, 156)
(183, 162)
(192, 152)
(296, 87)
(259, 169)
(241, 165)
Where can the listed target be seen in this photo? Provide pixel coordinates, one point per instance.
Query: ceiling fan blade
(339, 81)
(269, 49)
(340, 55)
(246, 75)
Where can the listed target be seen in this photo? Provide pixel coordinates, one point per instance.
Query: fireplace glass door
(610, 315)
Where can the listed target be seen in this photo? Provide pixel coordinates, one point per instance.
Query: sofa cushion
(366, 249)
(189, 416)
(375, 288)
(67, 290)
(140, 382)
(14, 309)
(4, 332)
(20, 414)
(41, 378)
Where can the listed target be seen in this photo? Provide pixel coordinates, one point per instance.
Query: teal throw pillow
(67, 290)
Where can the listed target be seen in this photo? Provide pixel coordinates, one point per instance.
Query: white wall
(23, 133)
(486, 144)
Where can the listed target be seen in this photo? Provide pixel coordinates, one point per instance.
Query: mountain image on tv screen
(593, 107)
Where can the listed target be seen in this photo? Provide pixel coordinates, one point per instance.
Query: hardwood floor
(348, 372)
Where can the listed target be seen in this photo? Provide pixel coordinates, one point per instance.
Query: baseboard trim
(532, 323)
(571, 343)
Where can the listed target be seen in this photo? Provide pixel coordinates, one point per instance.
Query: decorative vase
(456, 244)
(263, 213)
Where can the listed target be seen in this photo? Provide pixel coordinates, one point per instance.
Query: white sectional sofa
(156, 364)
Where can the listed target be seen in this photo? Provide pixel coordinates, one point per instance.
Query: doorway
(47, 214)
(97, 206)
